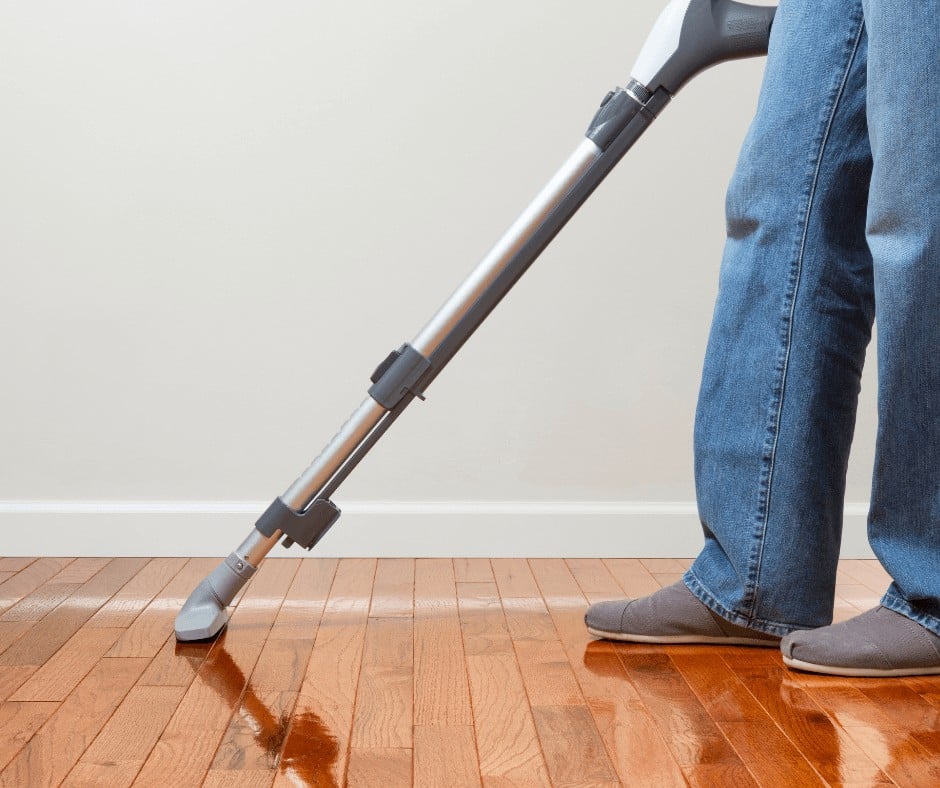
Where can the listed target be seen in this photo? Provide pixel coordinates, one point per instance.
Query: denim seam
(770, 450)
(707, 598)
(906, 609)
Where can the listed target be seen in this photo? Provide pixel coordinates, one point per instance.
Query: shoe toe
(834, 646)
(606, 616)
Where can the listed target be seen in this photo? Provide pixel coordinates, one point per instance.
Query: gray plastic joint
(306, 528)
(399, 375)
(615, 113)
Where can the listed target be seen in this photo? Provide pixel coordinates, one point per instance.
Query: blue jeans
(833, 214)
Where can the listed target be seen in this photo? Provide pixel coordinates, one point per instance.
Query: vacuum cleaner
(688, 37)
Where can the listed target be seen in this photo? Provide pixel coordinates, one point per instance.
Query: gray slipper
(877, 643)
(671, 615)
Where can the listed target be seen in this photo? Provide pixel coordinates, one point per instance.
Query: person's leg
(903, 636)
(780, 384)
(781, 376)
(904, 236)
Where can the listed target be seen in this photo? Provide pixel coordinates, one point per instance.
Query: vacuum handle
(691, 35)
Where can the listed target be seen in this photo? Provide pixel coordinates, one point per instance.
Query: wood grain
(440, 689)
(828, 748)
(126, 604)
(388, 768)
(68, 666)
(14, 565)
(384, 711)
(507, 741)
(28, 579)
(634, 742)
(473, 570)
(206, 708)
(393, 594)
(445, 754)
(120, 749)
(18, 722)
(316, 749)
(151, 628)
(422, 672)
(48, 635)
(50, 754)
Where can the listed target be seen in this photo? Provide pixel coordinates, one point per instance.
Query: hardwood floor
(431, 672)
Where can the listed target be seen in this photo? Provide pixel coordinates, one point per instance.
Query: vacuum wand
(688, 37)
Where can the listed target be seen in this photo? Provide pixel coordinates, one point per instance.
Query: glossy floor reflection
(300, 746)
(430, 672)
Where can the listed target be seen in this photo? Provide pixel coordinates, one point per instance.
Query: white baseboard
(638, 529)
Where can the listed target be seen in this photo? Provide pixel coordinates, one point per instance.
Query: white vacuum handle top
(691, 35)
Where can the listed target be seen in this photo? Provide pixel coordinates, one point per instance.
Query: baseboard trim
(636, 529)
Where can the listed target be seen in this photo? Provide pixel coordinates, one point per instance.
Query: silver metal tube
(337, 451)
(365, 418)
(257, 546)
(502, 253)
(204, 614)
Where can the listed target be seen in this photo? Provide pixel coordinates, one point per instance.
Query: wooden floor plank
(526, 616)
(303, 605)
(514, 578)
(18, 722)
(507, 741)
(554, 691)
(254, 741)
(56, 590)
(422, 672)
(907, 709)
(594, 578)
(632, 577)
(316, 750)
(394, 588)
(441, 690)
(384, 712)
(81, 570)
(572, 748)
(634, 742)
(657, 566)
(445, 754)
(36, 605)
(482, 621)
(187, 747)
(867, 573)
(12, 677)
(473, 570)
(14, 565)
(122, 746)
(29, 579)
(728, 698)
(50, 754)
(59, 675)
(37, 645)
(217, 778)
(127, 604)
(388, 768)
(822, 742)
(149, 631)
(895, 751)
(690, 732)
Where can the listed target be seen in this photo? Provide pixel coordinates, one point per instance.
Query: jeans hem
(906, 609)
(710, 601)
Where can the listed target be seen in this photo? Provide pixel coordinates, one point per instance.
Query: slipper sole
(687, 639)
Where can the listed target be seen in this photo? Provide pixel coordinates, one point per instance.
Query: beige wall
(217, 217)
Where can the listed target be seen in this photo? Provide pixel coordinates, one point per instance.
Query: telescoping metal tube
(689, 35)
